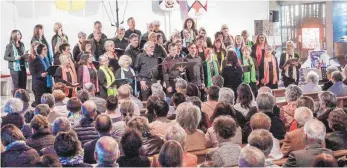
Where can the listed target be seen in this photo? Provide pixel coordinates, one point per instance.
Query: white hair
(188, 116)
(292, 93)
(156, 22)
(123, 58)
(331, 69)
(108, 43)
(160, 94)
(181, 84)
(315, 130)
(337, 76)
(302, 115)
(147, 44)
(251, 157)
(102, 58)
(176, 133)
(266, 102)
(156, 87)
(13, 105)
(313, 77)
(226, 95)
(291, 42)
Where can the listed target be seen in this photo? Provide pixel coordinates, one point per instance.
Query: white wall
(239, 15)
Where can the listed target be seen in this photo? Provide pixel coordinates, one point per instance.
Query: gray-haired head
(176, 133)
(337, 76)
(264, 89)
(261, 139)
(108, 43)
(106, 150)
(160, 93)
(147, 45)
(102, 58)
(13, 105)
(265, 102)
(251, 157)
(123, 58)
(83, 95)
(302, 115)
(61, 124)
(315, 130)
(81, 35)
(48, 99)
(331, 69)
(327, 99)
(181, 84)
(292, 93)
(218, 80)
(90, 87)
(156, 22)
(156, 87)
(89, 109)
(312, 77)
(226, 95)
(188, 116)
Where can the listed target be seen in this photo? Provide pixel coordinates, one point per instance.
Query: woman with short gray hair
(189, 116)
(126, 72)
(338, 87)
(111, 55)
(311, 85)
(329, 71)
(13, 107)
(292, 93)
(327, 103)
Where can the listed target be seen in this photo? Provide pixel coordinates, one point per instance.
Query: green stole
(249, 77)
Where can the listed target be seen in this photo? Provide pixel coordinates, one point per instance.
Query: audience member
(83, 95)
(189, 116)
(124, 93)
(176, 99)
(127, 108)
(314, 131)
(205, 121)
(327, 103)
(74, 106)
(311, 85)
(324, 160)
(212, 100)
(85, 128)
(69, 150)
(292, 93)
(59, 106)
(100, 103)
(151, 144)
(161, 123)
(245, 99)
(181, 86)
(306, 101)
(295, 140)
(226, 95)
(17, 153)
(106, 152)
(28, 116)
(48, 160)
(13, 108)
(337, 140)
(329, 71)
(61, 124)
(23, 95)
(263, 140)
(251, 157)
(131, 143)
(171, 154)
(111, 106)
(150, 113)
(192, 90)
(227, 153)
(218, 80)
(338, 87)
(49, 99)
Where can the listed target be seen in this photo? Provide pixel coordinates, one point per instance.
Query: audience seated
(205, 121)
(324, 160)
(227, 95)
(74, 107)
(295, 140)
(176, 99)
(338, 87)
(328, 103)
(192, 90)
(131, 143)
(106, 152)
(329, 71)
(85, 128)
(83, 95)
(337, 140)
(218, 80)
(124, 93)
(251, 157)
(311, 85)
(41, 137)
(305, 101)
(103, 125)
(69, 150)
(151, 101)
(111, 106)
(212, 100)
(292, 93)
(171, 154)
(161, 123)
(49, 99)
(181, 86)
(227, 153)
(314, 131)
(178, 134)
(222, 109)
(151, 144)
(17, 153)
(127, 108)
(13, 108)
(61, 124)
(48, 160)
(245, 99)
(189, 116)
(265, 89)
(23, 95)
(100, 102)
(59, 105)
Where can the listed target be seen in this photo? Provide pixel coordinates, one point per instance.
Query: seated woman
(171, 154)
(189, 116)
(161, 123)
(126, 72)
(131, 143)
(292, 94)
(227, 153)
(87, 72)
(268, 69)
(329, 71)
(222, 109)
(66, 73)
(178, 134)
(337, 122)
(41, 137)
(232, 71)
(311, 85)
(327, 103)
(245, 99)
(290, 72)
(151, 144)
(74, 105)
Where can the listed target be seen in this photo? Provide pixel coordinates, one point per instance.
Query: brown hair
(59, 95)
(39, 123)
(74, 104)
(10, 133)
(324, 160)
(305, 101)
(13, 37)
(59, 86)
(36, 30)
(337, 120)
(260, 121)
(257, 40)
(225, 127)
(85, 43)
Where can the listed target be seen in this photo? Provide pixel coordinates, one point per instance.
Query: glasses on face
(44, 49)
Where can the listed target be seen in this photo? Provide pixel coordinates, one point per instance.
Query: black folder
(51, 69)
(119, 82)
(246, 68)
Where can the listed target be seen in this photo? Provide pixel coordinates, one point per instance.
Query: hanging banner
(196, 8)
(168, 5)
(70, 5)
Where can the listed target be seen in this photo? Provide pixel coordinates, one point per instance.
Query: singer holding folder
(106, 78)
(290, 65)
(66, 73)
(38, 69)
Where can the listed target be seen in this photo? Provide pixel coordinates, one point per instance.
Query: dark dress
(232, 77)
(287, 80)
(113, 64)
(136, 161)
(195, 74)
(127, 75)
(271, 73)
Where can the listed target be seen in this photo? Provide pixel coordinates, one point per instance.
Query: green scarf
(16, 63)
(249, 77)
(109, 80)
(209, 75)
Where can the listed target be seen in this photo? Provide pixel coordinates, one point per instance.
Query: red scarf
(259, 54)
(73, 78)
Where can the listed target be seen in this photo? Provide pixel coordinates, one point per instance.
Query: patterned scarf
(16, 64)
(73, 77)
(294, 76)
(266, 70)
(70, 161)
(46, 64)
(86, 76)
(209, 74)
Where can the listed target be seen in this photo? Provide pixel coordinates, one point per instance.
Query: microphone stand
(117, 16)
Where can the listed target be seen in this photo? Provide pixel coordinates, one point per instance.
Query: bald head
(103, 124)
(264, 89)
(123, 92)
(260, 121)
(89, 109)
(106, 150)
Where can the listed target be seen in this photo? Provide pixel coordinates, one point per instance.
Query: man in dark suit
(314, 131)
(133, 49)
(131, 30)
(120, 41)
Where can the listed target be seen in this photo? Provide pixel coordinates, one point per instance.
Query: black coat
(85, 130)
(337, 140)
(132, 53)
(195, 74)
(19, 155)
(13, 118)
(232, 76)
(89, 149)
(151, 145)
(137, 161)
(40, 140)
(36, 69)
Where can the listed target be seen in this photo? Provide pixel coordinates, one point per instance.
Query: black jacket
(129, 32)
(40, 140)
(151, 145)
(195, 74)
(337, 140)
(137, 161)
(133, 53)
(123, 43)
(13, 118)
(89, 149)
(19, 155)
(55, 40)
(324, 119)
(36, 68)
(9, 55)
(232, 76)
(85, 130)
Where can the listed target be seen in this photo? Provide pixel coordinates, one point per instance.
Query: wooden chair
(313, 95)
(342, 102)
(201, 154)
(278, 92)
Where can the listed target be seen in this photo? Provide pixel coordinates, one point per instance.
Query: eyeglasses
(45, 49)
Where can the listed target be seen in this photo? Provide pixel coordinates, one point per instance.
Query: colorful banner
(168, 5)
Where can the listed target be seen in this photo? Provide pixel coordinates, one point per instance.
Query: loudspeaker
(274, 16)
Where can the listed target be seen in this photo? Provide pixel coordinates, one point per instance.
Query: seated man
(314, 131)
(100, 103)
(212, 100)
(106, 152)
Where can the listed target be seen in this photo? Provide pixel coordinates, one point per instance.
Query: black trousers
(287, 81)
(39, 91)
(144, 94)
(19, 79)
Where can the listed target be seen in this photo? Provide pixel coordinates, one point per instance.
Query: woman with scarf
(87, 72)
(77, 50)
(219, 51)
(245, 36)
(106, 78)
(250, 77)
(210, 67)
(268, 69)
(290, 72)
(66, 73)
(239, 44)
(232, 72)
(59, 35)
(258, 49)
(38, 67)
(126, 72)
(189, 27)
(17, 64)
(40, 37)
